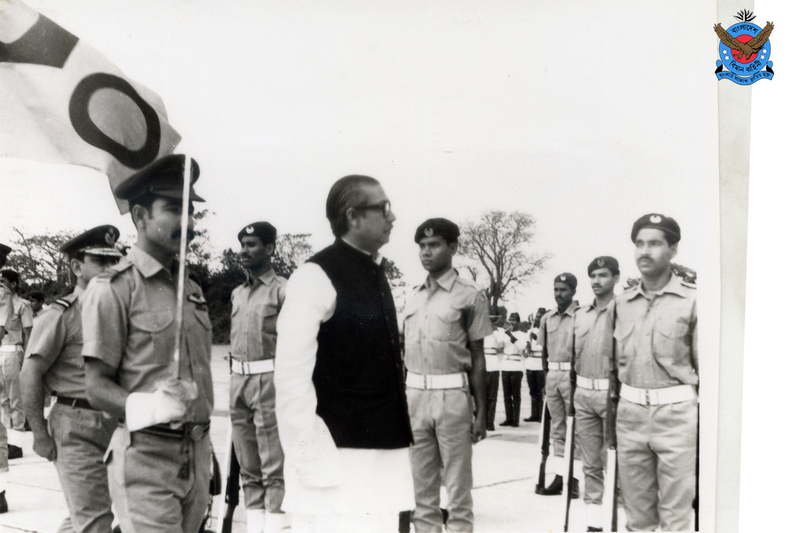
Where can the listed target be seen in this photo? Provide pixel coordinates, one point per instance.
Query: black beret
(263, 230)
(567, 278)
(4, 251)
(163, 177)
(514, 316)
(657, 221)
(605, 261)
(101, 240)
(437, 226)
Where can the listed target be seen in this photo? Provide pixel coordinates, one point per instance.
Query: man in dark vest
(340, 395)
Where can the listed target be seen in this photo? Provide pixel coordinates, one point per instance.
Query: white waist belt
(559, 366)
(490, 351)
(592, 384)
(513, 357)
(436, 381)
(10, 347)
(678, 393)
(252, 367)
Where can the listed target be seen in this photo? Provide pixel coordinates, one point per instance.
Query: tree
(498, 247)
(291, 250)
(685, 273)
(39, 263)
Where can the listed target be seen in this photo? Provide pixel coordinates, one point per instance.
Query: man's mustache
(177, 234)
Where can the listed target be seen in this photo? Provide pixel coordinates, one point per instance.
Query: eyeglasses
(385, 207)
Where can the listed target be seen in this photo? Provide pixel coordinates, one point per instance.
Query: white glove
(316, 457)
(144, 409)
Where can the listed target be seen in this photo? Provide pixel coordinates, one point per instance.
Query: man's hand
(44, 446)
(478, 429)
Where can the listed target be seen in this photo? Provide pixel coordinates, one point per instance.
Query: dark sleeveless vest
(359, 371)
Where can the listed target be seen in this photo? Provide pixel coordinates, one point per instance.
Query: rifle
(570, 444)
(231, 500)
(696, 503)
(544, 441)
(610, 493)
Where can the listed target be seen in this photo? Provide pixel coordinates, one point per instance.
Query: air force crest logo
(744, 50)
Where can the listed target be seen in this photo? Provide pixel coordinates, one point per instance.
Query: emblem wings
(749, 48)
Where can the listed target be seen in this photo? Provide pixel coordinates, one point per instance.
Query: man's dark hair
(10, 275)
(145, 200)
(347, 192)
(37, 295)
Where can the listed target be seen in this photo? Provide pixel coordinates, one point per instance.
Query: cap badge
(562, 277)
(600, 263)
(249, 229)
(429, 232)
(110, 237)
(655, 219)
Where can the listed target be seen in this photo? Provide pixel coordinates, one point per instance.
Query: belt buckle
(647, 397)
(196, 433)
(246, 367)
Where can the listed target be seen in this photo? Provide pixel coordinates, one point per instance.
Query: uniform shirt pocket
(149, 335)
(447, 325)
(669, 341)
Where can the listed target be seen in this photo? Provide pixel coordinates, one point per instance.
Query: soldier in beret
(18, 324)
(151, 377)
(78, 434)
(656, 337)
(445, 326)
(594, 329)
(557, 331)
(5, 298)
(254, 314)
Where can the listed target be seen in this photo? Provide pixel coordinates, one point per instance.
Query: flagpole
(187, 182)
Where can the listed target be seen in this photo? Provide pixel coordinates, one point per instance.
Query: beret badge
(249, 230)
(655, 219)
(429, 232)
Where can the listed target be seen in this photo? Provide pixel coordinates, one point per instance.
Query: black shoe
(14, 452)
(3, 503)
(404, 525)
(445, 515)
(490, 427)
(505, 423)
(576, 490)
(555, 488)
(592, 528)
(533, 419)
(26, 427)
(514, 424)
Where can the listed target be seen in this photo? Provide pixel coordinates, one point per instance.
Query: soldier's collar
(569, 311)
(446, 281)
(265, 278)
(673, 286)
(145, 263)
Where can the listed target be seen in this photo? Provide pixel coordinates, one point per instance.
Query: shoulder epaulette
(469, 283)
(65, 302)
(688, 284)
(113, 271)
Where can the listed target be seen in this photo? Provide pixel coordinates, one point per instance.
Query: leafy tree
(39, 263)
(498, 247)
(291, 250)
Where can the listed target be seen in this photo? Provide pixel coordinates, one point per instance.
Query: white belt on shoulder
(591, 384)
(436, 381)
(676, 394)
(247, 368)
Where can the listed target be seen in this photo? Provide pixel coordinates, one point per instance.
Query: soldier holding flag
(142, 369)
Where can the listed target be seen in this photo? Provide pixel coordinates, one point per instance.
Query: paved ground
(505, 470)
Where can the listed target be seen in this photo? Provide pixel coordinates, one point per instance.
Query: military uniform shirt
(129, 323)
(558, 329)
(254, 317)
(656, 336)
(57, 340)
(593, 340)
(444, 315)
(20, 316)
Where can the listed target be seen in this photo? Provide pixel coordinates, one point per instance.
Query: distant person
(656, 334)
(18, 324)
(594, 338)
(534, 371)
(255, 305)
(511, 366)
(492, 348)
(36, 298)
(340, 397)
(447, 320)
(76, 435)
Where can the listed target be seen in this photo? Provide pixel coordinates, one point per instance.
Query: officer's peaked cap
(163, 177)
(101, 240)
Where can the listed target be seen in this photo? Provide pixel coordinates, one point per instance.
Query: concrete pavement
(505, 470)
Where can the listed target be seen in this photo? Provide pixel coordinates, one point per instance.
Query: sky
(457, 108)
(585, 115)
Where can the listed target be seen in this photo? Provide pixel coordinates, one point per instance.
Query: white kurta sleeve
(306, 440)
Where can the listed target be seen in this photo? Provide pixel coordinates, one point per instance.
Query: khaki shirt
(594, 338)
(20, 316)
(558, 329)
(129, 323)
(443, 316)
(57, 340)
(656, 336)
(254, 317)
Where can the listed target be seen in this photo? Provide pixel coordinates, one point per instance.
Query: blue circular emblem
(734, 60)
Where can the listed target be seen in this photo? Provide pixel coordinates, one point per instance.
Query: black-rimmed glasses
(385, 207)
